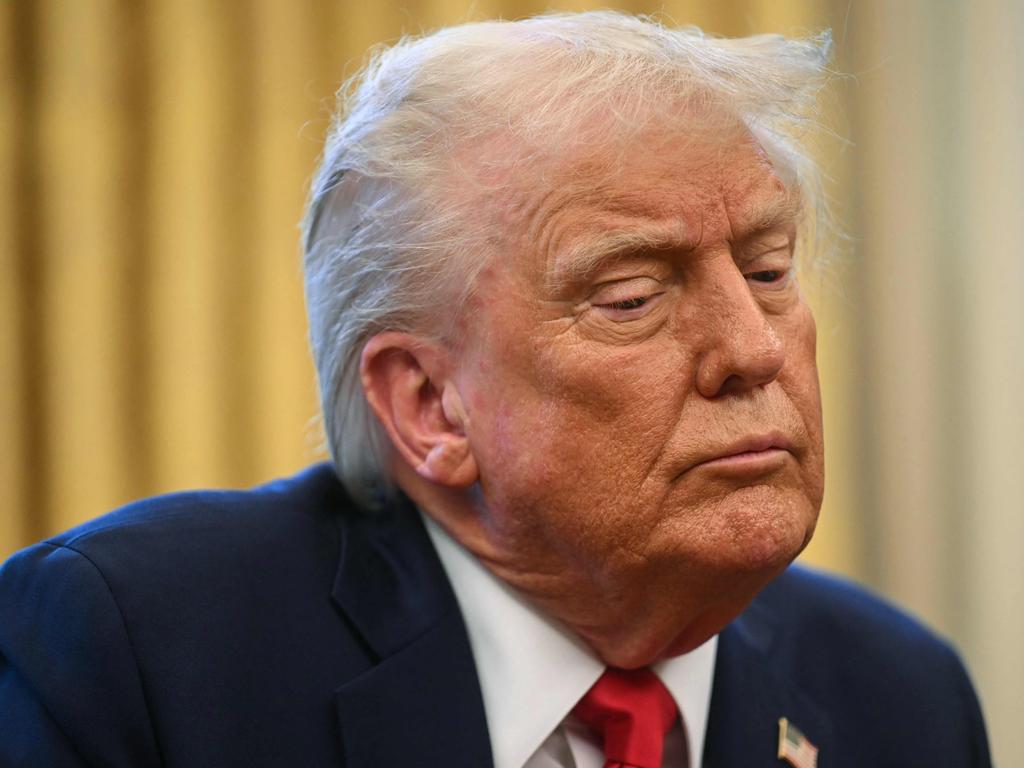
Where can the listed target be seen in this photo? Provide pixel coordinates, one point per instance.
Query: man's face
(638, 371)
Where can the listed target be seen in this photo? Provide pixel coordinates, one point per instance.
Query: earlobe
(450, 462)
(404, 381)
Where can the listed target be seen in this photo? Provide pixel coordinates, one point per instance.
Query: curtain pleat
(286, 133)
(192, 277)
(15, 525)
(81, 329)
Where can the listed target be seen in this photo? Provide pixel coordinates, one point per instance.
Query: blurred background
(153, 162)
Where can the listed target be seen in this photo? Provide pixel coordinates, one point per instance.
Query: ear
(405, 381)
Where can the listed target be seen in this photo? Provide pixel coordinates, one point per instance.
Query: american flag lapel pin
(794, 747)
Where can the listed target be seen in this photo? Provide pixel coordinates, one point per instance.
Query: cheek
(611, 385)
(610, 411)
(574, 428)
(800, 380)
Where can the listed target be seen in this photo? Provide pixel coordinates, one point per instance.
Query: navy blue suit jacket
(279, 627)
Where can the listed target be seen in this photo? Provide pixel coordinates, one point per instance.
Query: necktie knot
(631, 710)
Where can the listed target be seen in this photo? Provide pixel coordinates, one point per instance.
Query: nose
(742, 348)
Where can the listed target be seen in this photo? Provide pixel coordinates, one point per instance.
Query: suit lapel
(751, 693)
(421, 703)
(421, 706)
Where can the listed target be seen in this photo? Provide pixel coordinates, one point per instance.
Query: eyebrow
(772, 214)
(590, 256)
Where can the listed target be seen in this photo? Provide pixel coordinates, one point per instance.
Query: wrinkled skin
(600, 400)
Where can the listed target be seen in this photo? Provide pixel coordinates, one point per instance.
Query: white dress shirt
(534, 670)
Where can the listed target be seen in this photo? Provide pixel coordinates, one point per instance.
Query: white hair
(393, 235)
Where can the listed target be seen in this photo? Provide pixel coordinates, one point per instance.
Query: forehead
(678, 187)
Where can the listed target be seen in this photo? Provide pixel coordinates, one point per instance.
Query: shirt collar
(533, 670)
(689, 678)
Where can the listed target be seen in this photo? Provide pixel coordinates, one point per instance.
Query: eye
(626, 299)
(634, 303)
(771, 278)
(768, 261)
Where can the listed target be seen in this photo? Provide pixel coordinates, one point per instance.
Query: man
(569, 385)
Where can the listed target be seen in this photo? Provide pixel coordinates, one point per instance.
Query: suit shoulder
(182, 614)
(878, 670)
(880, 683)
(185, 522)
(214, 543)
(825, 605)
(839, 636)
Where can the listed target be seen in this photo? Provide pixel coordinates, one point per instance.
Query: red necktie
(632, 711)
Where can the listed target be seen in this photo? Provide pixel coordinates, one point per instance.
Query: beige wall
(153, 159)
(938, 111)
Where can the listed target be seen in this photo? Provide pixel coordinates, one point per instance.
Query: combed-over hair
(392, 239)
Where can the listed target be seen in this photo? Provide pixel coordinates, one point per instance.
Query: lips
(749, 453)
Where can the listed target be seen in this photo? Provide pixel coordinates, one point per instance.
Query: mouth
(752, 454)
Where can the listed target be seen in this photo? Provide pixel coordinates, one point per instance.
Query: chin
(760, 535)
(731, 578)
(771, 555)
